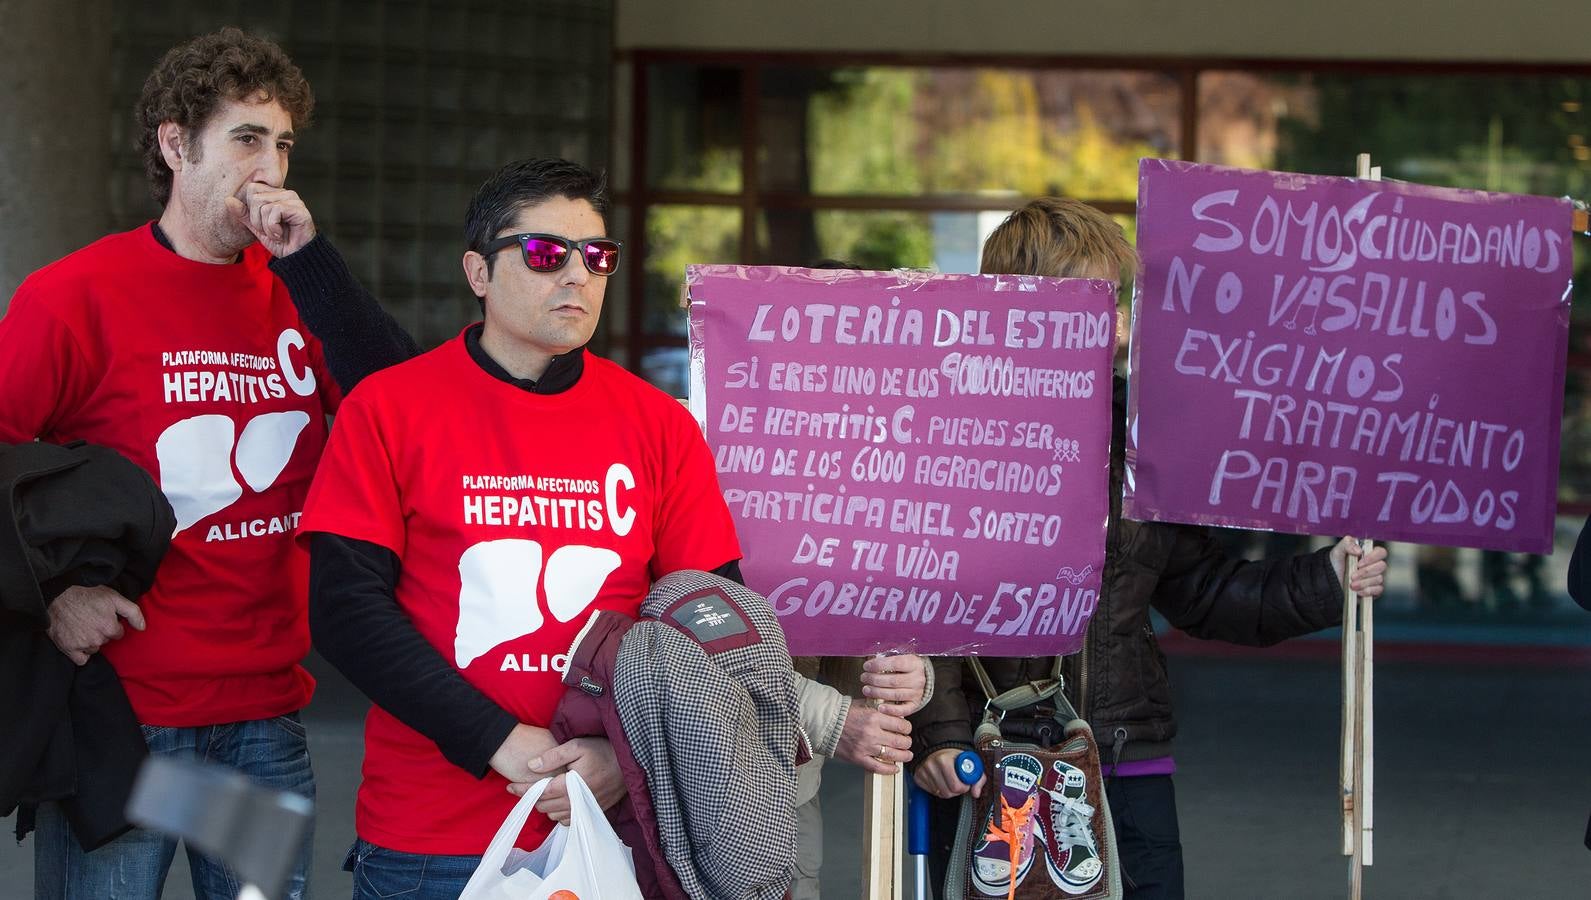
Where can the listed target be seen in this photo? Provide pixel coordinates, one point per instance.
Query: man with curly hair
(176, 345)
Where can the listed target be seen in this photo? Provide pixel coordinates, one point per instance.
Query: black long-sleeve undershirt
(357, 335)
(358, 627)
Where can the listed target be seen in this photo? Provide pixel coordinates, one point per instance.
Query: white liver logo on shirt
(197, 454)
(497, 593)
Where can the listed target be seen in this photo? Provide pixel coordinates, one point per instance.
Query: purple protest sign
(912, 461)
(1336, 356)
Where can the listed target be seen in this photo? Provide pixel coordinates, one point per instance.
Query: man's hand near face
(277, 217)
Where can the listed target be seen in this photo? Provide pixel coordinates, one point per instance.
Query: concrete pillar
(55, 153)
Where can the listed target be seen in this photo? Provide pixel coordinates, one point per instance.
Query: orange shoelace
(1008, 827)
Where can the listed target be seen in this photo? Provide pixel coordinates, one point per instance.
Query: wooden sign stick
(883, 824)
(1356, 771)
(1357, 674)
(1347, 771)
(1366, 781)
(1359, 798)
(884, 830)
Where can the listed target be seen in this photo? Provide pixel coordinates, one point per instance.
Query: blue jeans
(380, 873)
(272, 752)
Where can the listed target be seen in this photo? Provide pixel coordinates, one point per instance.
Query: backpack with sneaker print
(1042, 829)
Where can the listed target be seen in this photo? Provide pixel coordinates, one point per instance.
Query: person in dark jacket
(1118, 681)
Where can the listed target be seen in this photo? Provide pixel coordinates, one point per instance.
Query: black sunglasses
(549, 252)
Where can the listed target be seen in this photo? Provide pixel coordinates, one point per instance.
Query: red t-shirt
(204, 375)
(515, 515)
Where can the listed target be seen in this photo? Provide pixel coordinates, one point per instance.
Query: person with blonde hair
(1119, 682)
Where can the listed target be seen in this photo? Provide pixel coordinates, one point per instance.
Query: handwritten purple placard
(912, 460)
(1336, 356)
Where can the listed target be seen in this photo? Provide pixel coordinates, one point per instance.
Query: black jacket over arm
(76, 516)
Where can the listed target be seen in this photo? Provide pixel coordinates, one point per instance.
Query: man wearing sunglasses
(476, 504)
(538, 259)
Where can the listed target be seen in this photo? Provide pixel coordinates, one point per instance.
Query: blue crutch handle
(969, 767)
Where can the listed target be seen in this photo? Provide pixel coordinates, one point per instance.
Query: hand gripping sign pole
(895, 817)
(1357, 768)
(883, 827)
(884, 831)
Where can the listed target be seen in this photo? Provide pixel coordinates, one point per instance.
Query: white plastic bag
(584, 858)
